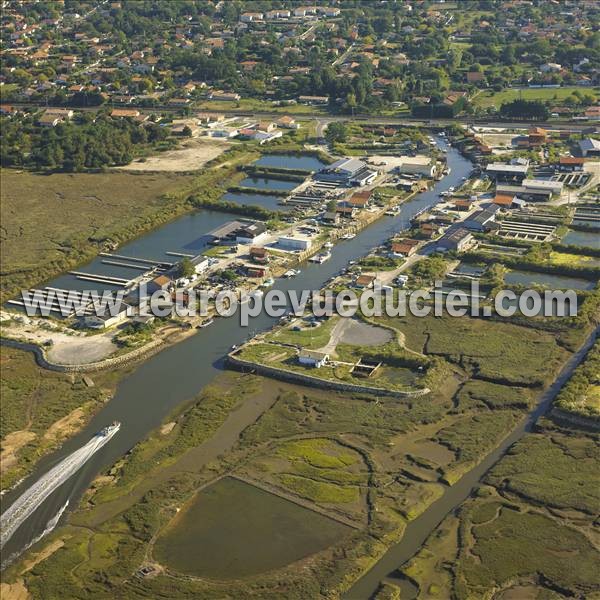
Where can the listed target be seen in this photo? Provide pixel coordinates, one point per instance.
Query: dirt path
(192, 155)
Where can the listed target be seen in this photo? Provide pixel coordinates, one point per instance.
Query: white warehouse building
(418, 165)
(290, 242)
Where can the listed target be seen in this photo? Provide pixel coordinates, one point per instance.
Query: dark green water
(233, 529)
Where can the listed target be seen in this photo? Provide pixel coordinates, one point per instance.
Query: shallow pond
(582, 238)
(550, 281)
(290, 161)
(264, 200)
(233, 529)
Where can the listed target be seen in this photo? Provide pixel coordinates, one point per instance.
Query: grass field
(52, 222)
(581, 394)
(498, 351)
(489, 98)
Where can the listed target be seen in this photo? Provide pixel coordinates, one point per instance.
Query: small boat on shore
(205, 323)
(290, 273)
(348, 236)
(320, 258)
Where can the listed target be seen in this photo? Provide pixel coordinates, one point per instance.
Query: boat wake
(22, 508)
(52, 523)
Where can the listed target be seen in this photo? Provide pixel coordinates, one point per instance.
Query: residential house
(266, 126)
(365, 281)
(313, 358)
(360, 199)
(404, 247)
(463, 204)
(288, 123)
(537, 136)
(430, 229)
(53, 116)
(161, 282)
(571, 163)
(251, 17)
(124, 113)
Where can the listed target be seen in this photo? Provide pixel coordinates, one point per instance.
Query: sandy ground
(14, 591)
(66, 426)
(66, 349)
(17, 590)
(11, 444)
(167, 428)
(192, 155)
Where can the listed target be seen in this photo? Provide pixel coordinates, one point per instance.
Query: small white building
(313, 358)
(290, 242)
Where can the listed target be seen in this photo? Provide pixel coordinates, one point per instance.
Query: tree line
(72, 147)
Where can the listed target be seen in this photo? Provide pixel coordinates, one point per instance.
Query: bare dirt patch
(167, 428)
(42, 555)
(14, 591)
(66, 426)
(192, 155)
(11, 445)
(66, 349)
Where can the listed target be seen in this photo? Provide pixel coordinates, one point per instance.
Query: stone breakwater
(42, 360)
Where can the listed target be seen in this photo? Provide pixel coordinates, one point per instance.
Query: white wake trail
(22, 508)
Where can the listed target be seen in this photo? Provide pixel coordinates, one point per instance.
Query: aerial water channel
(175, 375)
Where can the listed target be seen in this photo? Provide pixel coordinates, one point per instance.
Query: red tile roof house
(571, 163)
(537, 136)
(360, 199)
(365, 281)
(504, 200)
(463, 204)
(404, 247)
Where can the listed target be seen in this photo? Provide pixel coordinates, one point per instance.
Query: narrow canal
(177, 374)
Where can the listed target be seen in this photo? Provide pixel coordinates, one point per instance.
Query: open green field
(52, 222)
(498, 351)
(489, 98)
(581, 395)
